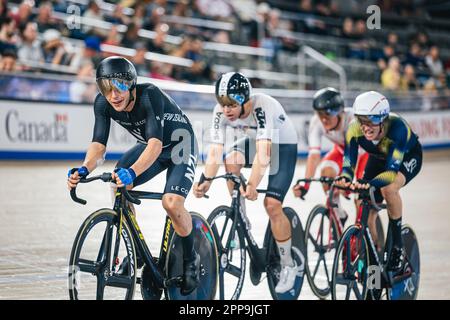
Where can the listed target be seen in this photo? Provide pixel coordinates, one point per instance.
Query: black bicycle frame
(138, 237)
(122, 210)
(256, 254)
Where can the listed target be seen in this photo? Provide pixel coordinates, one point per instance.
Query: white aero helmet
(372, 107)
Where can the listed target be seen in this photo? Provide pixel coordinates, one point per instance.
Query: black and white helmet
(116, 72)
(233, 88)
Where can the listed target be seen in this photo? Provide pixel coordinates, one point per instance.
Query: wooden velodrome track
(39, 223)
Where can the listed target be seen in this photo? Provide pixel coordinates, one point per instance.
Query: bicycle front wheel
(232, 258)
(350, 266)
(321, 239)
(93, 265)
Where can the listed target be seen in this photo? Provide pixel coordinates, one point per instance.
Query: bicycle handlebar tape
(73, 195)
(201, 180)
(130, 198)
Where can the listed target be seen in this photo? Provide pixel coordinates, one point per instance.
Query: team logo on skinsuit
(411, 165)
(261, 117)
(190, 172)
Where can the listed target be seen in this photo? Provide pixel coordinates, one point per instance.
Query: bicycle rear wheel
(232, 259)
(407, 287)
(298, 254)
(92, 259)
(321, 240)
(349, 275)
(205, 246)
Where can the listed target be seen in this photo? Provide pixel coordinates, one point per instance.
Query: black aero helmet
(116, 72)
(328, 100)
(232, 88)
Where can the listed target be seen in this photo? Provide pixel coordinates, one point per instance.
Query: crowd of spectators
(31, 36)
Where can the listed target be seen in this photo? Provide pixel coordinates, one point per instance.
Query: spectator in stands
(388, 52)
(93, 12)
(131, 36)
(434, 62)
(90, 53)
(139, 14)
(215, 9)
(310, 23)
(221, 37)
(390, 78)
(118, 16)
(54, 50)
(82, 89)
(141, 64)
(392, 41)
(323, 7)
(359, 48)
(3, 9)
(157, 45)
(160, 70)
(182, 9)
(422, 39)
(113, 37)
(258, 23)
(414, 57)
(270, 41)
(409, 81)
(45, 20)
(192, 48)
(155, 4)
(8, 60)
(23, 14)
(8, 31)
(30, 47)
(154, 18)
(183, 48)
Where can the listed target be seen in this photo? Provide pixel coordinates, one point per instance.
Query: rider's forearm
(260, 162)
(311, 164)
(94, 156)
(148, 156)
(213, 160)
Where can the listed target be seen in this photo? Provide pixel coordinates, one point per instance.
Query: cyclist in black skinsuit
(165, 141)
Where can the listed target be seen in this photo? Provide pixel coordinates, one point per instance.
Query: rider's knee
(273, 207)
(172, 204)
(234, 161)
(390, 192)
(328, 171)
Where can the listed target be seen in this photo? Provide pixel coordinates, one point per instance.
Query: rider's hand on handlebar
(301, 189)
(123, 177)
(201, 190)
(343, 182)
(360, 184)
(74, 175)
(250, 192)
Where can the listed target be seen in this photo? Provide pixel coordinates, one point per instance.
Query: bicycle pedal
(176, 281)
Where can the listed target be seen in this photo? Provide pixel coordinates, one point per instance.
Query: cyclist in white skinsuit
(269, 139)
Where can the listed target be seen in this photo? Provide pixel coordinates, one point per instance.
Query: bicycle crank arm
(174, 282)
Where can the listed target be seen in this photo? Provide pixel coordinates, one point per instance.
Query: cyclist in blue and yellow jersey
(395, 158)
(165, 141)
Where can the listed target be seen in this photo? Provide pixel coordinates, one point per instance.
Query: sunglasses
(107, 85)
(372, 120)
(329, 112)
